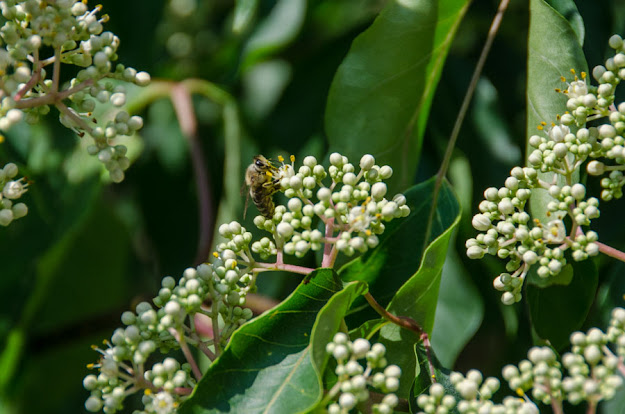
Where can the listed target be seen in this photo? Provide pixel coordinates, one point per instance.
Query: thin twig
(181, 99)
(284, 266)
(611, 251)
(187, 352)
(428, 352)
(442, 172)
(402, 321)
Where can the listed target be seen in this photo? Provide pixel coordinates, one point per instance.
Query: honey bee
(261, 178)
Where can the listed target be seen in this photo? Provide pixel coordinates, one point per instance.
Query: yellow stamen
(147, 391)
(94, 347)
(234, 264)
(520, 392)
(280, 158)
(292, 158)
(90, 366)
(1, 138)
(215, 254)
(558, 90)
(539, 127)
(269, 174)
(562, 79)
(584, 75)
(573, 71)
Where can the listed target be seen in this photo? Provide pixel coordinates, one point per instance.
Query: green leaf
(423, 381)
(329, 320)
(569, 11)
(398, 256)
(459, 311)
(553, 50)
(244, 12)
(368, 329)
(276, 31)
(556, 311)
(416, 299)
(381, 94)
(267, 367)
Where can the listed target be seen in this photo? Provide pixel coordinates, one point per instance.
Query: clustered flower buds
(508, 232)
(353, 378)
(215, 292)
(593, 367)
(74, 35)
(11, 190)
(179, 311)
(353, 207)
(475, 397)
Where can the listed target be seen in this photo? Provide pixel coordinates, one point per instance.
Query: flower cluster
(207, 304)
(175, 324)
(353, 207)
(475, 393)
(30, 84)
(11, 190)
(593, 367)
(353, 379)
(508, 232)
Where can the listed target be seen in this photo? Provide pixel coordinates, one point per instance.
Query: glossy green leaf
(398, 256)
(429, 366)
(556, 311)
(244, 12)
(381, 94)
(416, 299)
(276, 31)
(267, 366)
(569, 11)
(553, 50)
(459, 311)
(368, 329)
(329, 320)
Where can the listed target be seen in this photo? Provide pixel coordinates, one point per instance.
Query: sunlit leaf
(381, 94)
(268, 365)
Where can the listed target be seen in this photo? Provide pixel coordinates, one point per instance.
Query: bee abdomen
(263, 201)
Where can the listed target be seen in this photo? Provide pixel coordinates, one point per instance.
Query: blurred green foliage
(89, 250)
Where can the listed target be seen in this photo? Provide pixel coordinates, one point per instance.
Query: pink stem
(187, 353)
(288, 267)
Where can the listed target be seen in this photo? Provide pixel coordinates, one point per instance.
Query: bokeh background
(88, 249)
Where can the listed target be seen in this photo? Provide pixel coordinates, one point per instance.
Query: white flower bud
(392, 371)
(350, 179)
(386, 172)
(507, 298)
(578, 191)
(475, 252)
(378, 191)
(481, 222)
(360, 347)
(560, 150)
(142, 78)
(595, 167)
(336, 159)
(14, 189)
(118, 99)
(347, 401)
(172, 308)
(367, 162)
(284, 229)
